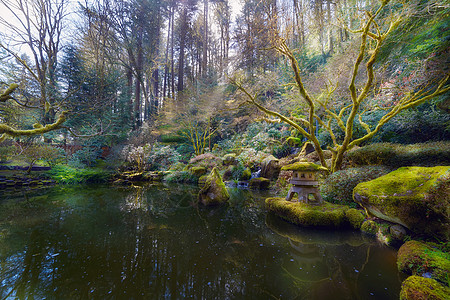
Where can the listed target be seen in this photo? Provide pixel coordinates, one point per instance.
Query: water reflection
(337, 265)
(153, 242)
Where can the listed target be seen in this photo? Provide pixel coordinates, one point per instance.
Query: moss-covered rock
(246, 174)
(417, 258)
(370, 227)
(299, 213)
(229, 159)
(213, 191)
(259, 183)
(270, 167)
(198, 171)
(420, 288)
(355, 218)
(202, 180)
(415, 197)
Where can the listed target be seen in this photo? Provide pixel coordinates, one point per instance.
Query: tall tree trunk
(172, 71)
(330, 26)
(139, 79)
(130, 93)
(166, 65)
(183, 31)
(205, 39)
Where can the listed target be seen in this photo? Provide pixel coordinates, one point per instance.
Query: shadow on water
(104, 242)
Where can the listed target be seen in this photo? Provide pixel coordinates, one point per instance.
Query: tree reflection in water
(154, 242)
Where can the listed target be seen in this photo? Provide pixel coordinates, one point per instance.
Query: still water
(105, 242)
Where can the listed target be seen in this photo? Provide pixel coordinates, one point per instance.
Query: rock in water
(259, 183)
(415, 197)
(270, 167)
(214, 191)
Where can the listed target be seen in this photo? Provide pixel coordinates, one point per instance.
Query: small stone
(397, 232)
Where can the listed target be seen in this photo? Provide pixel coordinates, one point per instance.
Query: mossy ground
(299, 213)
(416, 287)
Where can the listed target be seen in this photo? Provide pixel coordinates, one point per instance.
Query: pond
(150, 242)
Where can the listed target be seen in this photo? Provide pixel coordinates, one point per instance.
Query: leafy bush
(162, 157)
(180, 177)
(338, 187)
(114, 160)
(251, 158)
(68, 175)
(51, 155)
(86, 156)
(423, 124)
(137, 156)
(397, 155)
(6, 152)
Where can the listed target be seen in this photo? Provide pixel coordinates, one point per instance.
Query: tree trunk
(184, 25)
(205, 39)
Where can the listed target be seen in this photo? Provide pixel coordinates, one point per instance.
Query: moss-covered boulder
(417, 258)
(198, 171)
(213, 191)
(355, 217)
(259, 183)
(370, 227)
(246, 174)
(303, 214)
(421, 288)
(270, 167)
(230, 159)
(415, 197)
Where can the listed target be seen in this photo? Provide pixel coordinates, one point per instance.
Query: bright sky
(235, 5)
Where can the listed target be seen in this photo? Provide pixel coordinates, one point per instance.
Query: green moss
(370, 227)
(299, 213)
(246, 174)
(416, 287)
(338, 187)
(214, 190)
(417, 258)
(415, 197)
(230, 159)
(198, 171)
(202, 180)
(355, 218)
(303, 166)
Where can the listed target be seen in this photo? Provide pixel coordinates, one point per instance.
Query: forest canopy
(146, 71)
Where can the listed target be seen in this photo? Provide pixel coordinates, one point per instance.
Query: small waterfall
(256, 174)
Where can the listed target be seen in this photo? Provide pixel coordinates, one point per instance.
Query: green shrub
(51, 155)
(338, 187)
(68, 175)
(162, 157)
(6, 152)
(181, 177)
(172, 138)
(397, 155)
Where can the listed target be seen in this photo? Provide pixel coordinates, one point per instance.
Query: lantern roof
(304, 165)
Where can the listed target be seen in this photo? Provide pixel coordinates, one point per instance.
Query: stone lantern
(304, 181)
